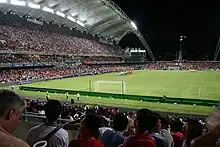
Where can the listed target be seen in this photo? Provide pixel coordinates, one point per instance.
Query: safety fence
(188, 101)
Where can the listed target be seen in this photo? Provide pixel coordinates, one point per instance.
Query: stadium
(70, 51)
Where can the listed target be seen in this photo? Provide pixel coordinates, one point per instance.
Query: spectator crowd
(188, 65)
(26, 58)
(17, 34)
(19, 75)
(22, 75)
(103, 127)
(36, 58)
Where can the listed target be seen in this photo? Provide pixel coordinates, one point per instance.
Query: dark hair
(9, 99)
(194, 130)
(176, 126)
(53, 110)
(90, 111)
(165, 122)
(93, 122)
(104, 122)
(142, 118)
(153, 118)
(120, 122)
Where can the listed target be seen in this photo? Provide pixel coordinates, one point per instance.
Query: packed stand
(25, 58)
(19, 75)
(22, 75)
(21, 35)
(196, 65)
(201, 65)
(35, 58)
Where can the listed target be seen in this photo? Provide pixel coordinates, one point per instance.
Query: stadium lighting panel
(18, 3)
(134, 25)
(3, 1)
(60, 13)
(71, 18)
(48, 9)
(32, 5)
(73, 14)
(80, 23)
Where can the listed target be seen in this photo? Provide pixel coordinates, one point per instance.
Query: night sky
(163, 21)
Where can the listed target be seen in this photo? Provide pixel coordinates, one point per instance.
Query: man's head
(11, 108)
(194, 129)
(53, 110)
(154, 122)
(176, 126)
(120, 122)
(142, 120)
(164, 123)
(90, 126)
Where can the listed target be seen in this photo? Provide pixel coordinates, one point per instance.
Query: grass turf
(180, 84)
(202, 85)
(132, 104)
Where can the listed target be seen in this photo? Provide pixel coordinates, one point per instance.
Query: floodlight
(80, 23)
(48, 9)
(32, 5)
(60, 13)
(18, 3)
(3, 1)
(73, 14)
(71, 18)
(133, 25)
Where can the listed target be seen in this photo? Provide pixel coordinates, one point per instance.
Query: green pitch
(185, 84)
(203, 85)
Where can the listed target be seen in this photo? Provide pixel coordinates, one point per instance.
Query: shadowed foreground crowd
(103, 127)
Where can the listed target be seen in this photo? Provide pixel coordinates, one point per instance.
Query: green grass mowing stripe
(152, 83)
(156, 83)
(175, 108)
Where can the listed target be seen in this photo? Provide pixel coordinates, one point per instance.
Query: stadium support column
(217, 50)
(144, 42)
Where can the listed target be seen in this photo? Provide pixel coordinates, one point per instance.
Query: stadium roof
(98, 17)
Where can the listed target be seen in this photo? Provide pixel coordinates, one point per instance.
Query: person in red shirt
(88, 133)
(176, 131)
(141, 138)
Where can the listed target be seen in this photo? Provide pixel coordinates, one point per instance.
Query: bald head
(10, 100)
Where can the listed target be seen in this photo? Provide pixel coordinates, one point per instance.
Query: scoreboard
(136, 55)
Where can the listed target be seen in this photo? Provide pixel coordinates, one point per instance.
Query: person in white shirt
(67, 96)
(53, 110)
(78, 95)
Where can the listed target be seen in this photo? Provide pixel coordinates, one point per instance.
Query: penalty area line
(200, 87)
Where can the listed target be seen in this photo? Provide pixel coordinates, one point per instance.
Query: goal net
(109, 87)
